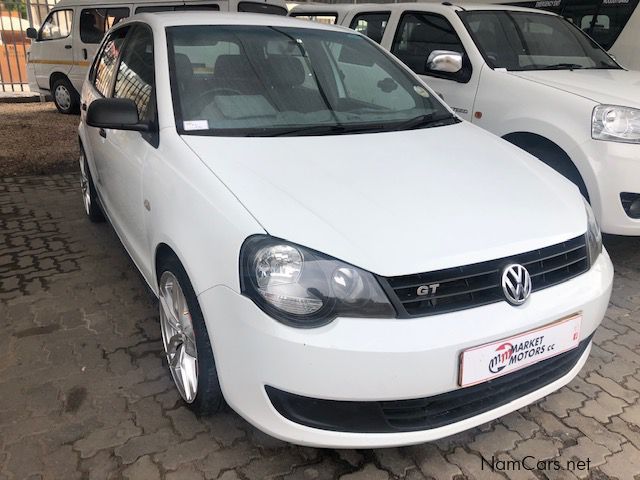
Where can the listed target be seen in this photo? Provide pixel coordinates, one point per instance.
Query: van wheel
(186, 340)
(65, 96)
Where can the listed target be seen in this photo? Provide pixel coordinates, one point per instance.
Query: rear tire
(186, 340)
(89, 195)
(65, 97)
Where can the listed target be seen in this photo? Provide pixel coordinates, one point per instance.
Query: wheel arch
(56, 76)
(561, 162)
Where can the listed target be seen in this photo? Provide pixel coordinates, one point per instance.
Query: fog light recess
(631, 204)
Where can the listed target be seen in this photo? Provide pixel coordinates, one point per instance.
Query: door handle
(103, 133)
(68, 47)
(84, 107)
(84, 53)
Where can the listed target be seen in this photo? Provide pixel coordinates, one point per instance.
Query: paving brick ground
(84, 393)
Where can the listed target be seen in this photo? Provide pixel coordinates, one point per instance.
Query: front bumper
(378, 359)
(616, 168)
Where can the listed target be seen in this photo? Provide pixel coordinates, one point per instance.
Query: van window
(135, 78)
(252, 7)
(107, 59)
(420, 34)
(57, 25)
(177, 8)
(371, 24)
(94, 22)
(326, 18)
(603, 20)
(533, 41)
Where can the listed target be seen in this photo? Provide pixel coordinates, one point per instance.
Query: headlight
(594, 237)
(616, 124)
(304, 288)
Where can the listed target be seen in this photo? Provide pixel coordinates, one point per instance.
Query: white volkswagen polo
(336, 254)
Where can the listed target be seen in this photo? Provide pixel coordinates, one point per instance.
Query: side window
(135, 78)
(57, 25)
(371, 24)
(419, 34)
(603, 20)
(106, 62)
(327, 18)
(252, 7)
(94, 22)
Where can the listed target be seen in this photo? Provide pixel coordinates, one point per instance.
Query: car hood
(400, 202)
(616, 87)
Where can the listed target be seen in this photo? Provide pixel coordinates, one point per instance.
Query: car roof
(161, 20)
(124, 3)
(436, 6)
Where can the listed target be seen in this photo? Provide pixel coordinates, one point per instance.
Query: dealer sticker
(493, 360)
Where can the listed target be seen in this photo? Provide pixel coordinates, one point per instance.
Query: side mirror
(444, 61)
(32, 33)
(115, 113)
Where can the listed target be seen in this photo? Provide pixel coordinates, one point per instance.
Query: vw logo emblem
(516, 284)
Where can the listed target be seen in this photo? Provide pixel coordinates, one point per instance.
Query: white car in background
(336, 254)
(63, 48)
(614, 24)
(530, 77)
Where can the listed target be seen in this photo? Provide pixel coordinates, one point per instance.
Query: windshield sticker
(421, 91)
(195, 124)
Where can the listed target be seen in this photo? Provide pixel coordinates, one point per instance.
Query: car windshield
(533, 41)
(276, 81)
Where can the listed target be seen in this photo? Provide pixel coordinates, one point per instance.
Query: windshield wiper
(300, 131)
(424, 121)
(562, 66)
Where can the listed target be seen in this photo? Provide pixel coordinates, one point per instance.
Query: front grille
(479, 284)
(424, 413)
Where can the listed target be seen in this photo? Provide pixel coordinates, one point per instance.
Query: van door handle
(103, 133)
(68, 47)
(84, 107)
(84, 53)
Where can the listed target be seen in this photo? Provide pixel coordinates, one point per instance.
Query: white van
(614, 24)
(532, 78)
(62, 50)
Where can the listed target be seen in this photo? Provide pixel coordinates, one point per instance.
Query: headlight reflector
(304, 288)
(594, 237)
(616, 124)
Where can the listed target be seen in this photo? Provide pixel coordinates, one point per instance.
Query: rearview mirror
(444, 61)
(116, 113)
(32, 33)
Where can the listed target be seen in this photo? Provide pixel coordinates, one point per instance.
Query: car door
(53, 49)
(127, 152)
(100, 85)
(421, 33)
(93, 23)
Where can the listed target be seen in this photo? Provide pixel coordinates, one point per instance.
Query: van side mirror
(444, 61)
(32, 33)
(115, 113)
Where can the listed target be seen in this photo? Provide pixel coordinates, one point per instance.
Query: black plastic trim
(423, 413)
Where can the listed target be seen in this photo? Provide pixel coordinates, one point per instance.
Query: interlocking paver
(85, 392)
(602, 407)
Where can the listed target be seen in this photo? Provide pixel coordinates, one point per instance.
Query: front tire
(89, 195)
(186, 341)
(65, 97)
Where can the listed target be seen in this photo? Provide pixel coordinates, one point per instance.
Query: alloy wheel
(84, 183)
(178, 337)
